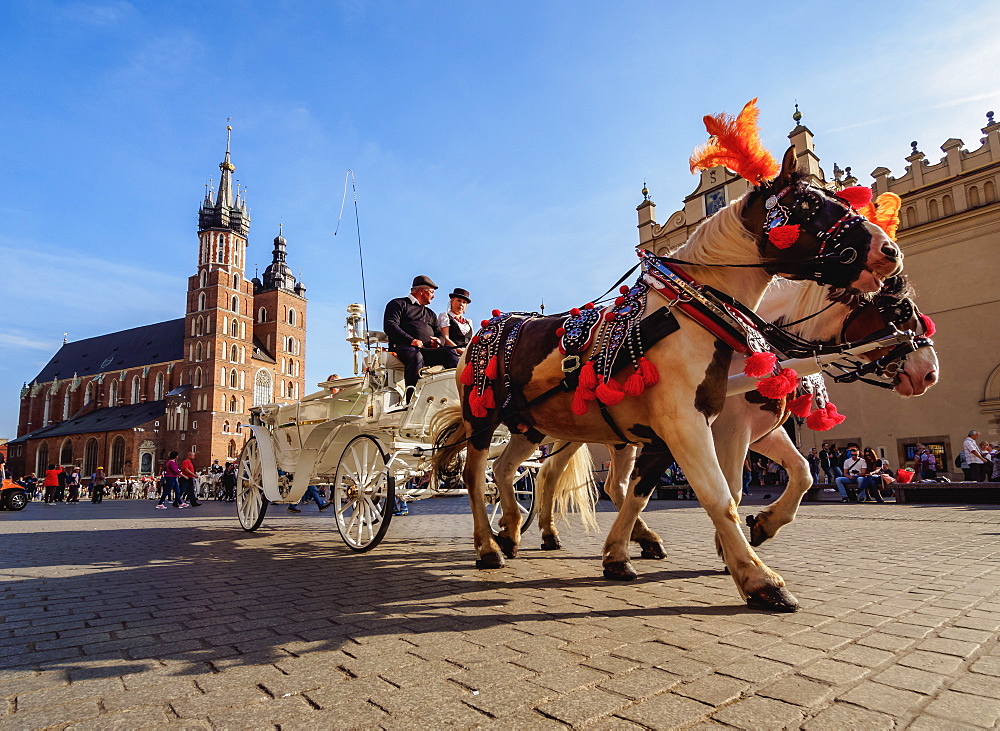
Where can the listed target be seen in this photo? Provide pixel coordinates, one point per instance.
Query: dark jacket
(405, 321)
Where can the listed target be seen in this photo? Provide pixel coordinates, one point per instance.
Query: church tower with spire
(218, 329)
(280, 322)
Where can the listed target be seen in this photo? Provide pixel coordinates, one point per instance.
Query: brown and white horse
(834, 247)
(751, 421)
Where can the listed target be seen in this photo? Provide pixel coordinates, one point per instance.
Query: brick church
(124, 400)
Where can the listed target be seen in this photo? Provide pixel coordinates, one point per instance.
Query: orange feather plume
(735, 143)
(884, 213)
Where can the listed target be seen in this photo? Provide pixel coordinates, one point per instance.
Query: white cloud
(17, 340)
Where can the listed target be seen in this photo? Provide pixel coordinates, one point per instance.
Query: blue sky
(499, 147)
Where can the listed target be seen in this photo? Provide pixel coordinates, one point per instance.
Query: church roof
(157, 343)
(106, 419)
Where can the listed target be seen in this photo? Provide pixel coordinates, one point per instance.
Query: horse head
(807, 232)
(893, 308)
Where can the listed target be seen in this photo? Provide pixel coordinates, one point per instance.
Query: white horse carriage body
(359, 437)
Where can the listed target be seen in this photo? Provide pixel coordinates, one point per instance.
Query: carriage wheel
(524, 493)
(250, 501)
(363, 494)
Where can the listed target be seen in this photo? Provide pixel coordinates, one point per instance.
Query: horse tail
(576, 491)
(449, 443)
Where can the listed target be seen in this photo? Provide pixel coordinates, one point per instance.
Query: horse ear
(789, 165)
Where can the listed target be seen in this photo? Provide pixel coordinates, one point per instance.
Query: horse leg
(648, 467)
(623, 461)
(518, 449)
(778, 446)
(691, 441)
(474, 476)
(545, 485)
(731, 433)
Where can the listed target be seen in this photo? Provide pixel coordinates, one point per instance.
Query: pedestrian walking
(229, 483)
(311, 494)
(187, 481)
(975, 463)
(98, 483)
(73, 485)
(170, 487)
(51, 483)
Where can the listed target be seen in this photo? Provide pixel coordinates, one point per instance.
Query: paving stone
(797, 691)
(140, 718)
(933, 662)
(581, 706)
(714, 690)
(759, 713)
(983, 685)
(641, 683)
(791, 654)
(50, 697)
(506, 700)
(884, 699)
(964, 708)
(50, 715)
(571, 678)
(906, 678)
(959, 648)
(754, 670)
(868, 657)
(666, 711)
(986, 666)
(834, 671)
(843, 717)
(202, 705)
(277, 712)
(610, 664)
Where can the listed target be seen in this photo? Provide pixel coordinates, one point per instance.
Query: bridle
(897, 313)
(834, 251)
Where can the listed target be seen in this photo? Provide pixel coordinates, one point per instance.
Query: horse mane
(722, 238)
(800, 299)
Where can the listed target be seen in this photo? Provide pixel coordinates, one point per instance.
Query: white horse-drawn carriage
(360, 438)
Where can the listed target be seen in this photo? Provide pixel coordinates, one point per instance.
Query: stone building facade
(950, 234)
(124, 400)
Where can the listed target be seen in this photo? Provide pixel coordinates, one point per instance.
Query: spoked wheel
(250, 501)
(524, 493)
(363, 494)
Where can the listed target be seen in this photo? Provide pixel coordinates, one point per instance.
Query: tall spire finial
(798, 115)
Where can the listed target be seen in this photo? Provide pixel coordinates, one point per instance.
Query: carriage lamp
(418, 452)
(355, 331)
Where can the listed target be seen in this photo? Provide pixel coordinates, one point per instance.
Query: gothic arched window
(233, 379)
(158, 387)
(117, 456)
(291, 316)
(136, 389)
(42, 459)
(113, 392)
(262, 315)
(262, 386)
(66, 402)
(90, 457)
(66, 453)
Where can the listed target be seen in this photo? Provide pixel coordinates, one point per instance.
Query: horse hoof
(551, 543)
(492, 560)
(757, 533)
(651, 549)
(619, 571)
(773, 599)
(507, 545)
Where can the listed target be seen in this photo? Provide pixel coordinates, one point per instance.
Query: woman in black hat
(453, 323)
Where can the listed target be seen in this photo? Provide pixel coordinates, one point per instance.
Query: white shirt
(853, 463)
(444, 322)
(969, 446)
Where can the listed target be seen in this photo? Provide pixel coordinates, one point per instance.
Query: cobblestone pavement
(122, 616)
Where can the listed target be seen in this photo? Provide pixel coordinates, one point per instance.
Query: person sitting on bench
(414, 334)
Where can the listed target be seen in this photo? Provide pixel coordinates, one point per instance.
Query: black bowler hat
(423, 281)
(462, 294)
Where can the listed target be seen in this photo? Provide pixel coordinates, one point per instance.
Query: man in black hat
(414, 334)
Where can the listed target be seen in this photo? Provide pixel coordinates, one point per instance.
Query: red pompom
(468, 377)
(825, 418)
(619, 301)
(759, 365)
(475, 404)
(492, 369)
(609, 316)
(634, 385)
(497, 313)
(580, 403)
(624, 289)
(589, 306)
(484, 323)
(588, 376)
(649, 373)
(475, 340)
(780, 385)
(560, 331)
(609, 392)
(488, 400)
(929, 327)
(784, 236)
(801, 406)
(858, 196)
